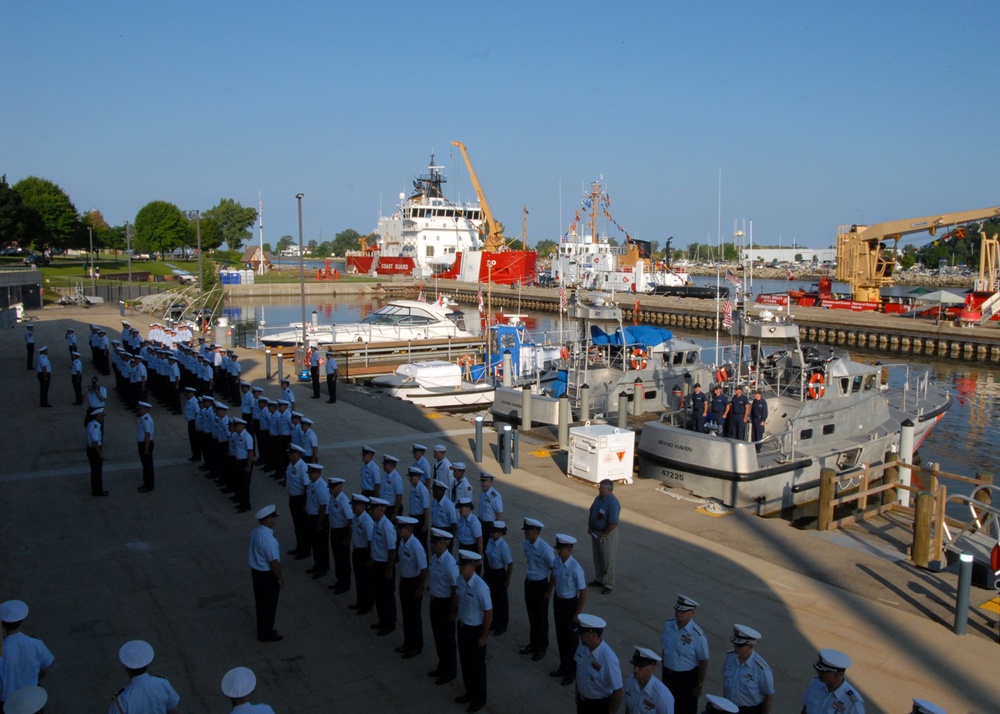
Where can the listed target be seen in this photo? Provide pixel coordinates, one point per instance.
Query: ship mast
(595, 193)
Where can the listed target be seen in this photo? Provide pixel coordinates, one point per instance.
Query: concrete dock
(170, 567)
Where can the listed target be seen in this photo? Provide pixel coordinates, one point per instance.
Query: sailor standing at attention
(95, 451)
(758, 418)
(747, 679)
(685, 656)
(314, 371)
(264, 559)
(331, 377)
(539, 558)
(29, 345)
(371, 474)
(43, 369)
(644, 693)
(26, 659)
(76, 377)
(569, 587)
(830, 692)
(599, 685)
(144, 692)
(144, 440)
(475, 617)
(441, 468)
(699, 409)
(237, 684)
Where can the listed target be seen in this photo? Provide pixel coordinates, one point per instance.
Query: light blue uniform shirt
(339, 511)
(362, 530)
(473, 600)
(598, 673)
(263, 548)
(540, 558)
(469, 530)
(443, 514)
(442, 574)
(420, 501)
(498, 555)
(412, 558)
(383, 540)
(683, 648)
(490, 504)
(146, 693)
(23, 658)
(569, 578)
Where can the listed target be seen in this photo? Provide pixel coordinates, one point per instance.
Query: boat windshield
(398, 315)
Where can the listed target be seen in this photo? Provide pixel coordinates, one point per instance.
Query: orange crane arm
(494, 240)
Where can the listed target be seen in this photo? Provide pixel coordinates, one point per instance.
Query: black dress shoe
(311, 570)
(557, 673)
(243, 509)
(274, 637)
(568, 679)
(302, 556)
(434, 673)
(464, 699)
(291, 552)
(145, 489)
(411, 654)
(101, 493)
(400, 650)
(475, 706)
(537, 656)
(341, 589)
(318, 575)
(364, 611)
(595, 583)
(353, 606)
(376, 626)
(527, 649)
(444, 679)
(385, 631)
(499, 631)
(330, 401)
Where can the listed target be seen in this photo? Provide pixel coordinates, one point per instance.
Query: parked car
(38, 259)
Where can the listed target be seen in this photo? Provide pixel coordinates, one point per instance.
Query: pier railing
(933, 530)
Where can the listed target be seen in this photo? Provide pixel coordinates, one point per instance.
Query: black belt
(470, 627)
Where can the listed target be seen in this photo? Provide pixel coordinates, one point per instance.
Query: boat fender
(638, 360)
(594, 354)
(721, 375)
(817, 386)
(563, 353)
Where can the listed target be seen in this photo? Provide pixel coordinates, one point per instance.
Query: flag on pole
(788, 274)
(563, 303)
(481, 299)
(732, 278)
(727, 314)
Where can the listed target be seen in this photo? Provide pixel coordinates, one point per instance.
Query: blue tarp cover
(634, 335)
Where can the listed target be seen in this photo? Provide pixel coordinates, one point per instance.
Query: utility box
(601, 451)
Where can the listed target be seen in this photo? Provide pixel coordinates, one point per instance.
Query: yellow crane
(866, 264)
(494, 240)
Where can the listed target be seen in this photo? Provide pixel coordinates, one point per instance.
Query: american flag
(788, 274)
(727, 314)
(480, 298)
(732, 278)
(562, 297)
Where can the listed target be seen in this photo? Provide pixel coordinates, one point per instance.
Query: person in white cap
(441, 468)
(331, 377)
(569, 593)
(490, 503)
(43, 370)
(419, 504)
(392, 487)
(237, 684)
(25, 660)
(287, 394)
(144, 439)
(474, 616)
(599, 686)
(685, 656)
(264, 558)
(371, 474)
(29, 345)
(644, 693)
(460, 487)
(314, 371)
(26, 700)
(362, 529)
(144, 692)
(296, 482)
(76, 377)
(830, 692)
(540, 558)
(444, 515)
(412, 577)
(317, 522)
(383, 568)
(922, 706)
(715, 703)
(241, 448)
(747, 679)
(468, 529)
(442, 584)
(95, 451)
(420, 461)
(340, 515)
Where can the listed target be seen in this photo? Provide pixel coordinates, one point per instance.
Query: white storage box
(600, 451)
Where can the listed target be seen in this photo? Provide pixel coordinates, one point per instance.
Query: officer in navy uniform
(540, 558)
(237, 684)
(145, 692)
(699, 408)
(475, 617)
(95, 451)
(747, 679)
(758, 417)
(314, 371)
(718, 408)
(412, 578)
(76, 377)
(644, 693)
(739, 414)
(383, 568)
(685, 656)
(830, 691)
(26, 659)
(362, 530)
(29, 345)
(599, 686)
(43, 369)
(569, 586)
(144, 440)
(264, 558)
(331, 377)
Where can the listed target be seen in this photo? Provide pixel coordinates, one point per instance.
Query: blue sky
(817, 114)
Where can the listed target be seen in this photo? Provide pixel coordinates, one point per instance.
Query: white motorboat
(396, 321)
(435, 384)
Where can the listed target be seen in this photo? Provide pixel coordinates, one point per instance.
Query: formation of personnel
(384, 549)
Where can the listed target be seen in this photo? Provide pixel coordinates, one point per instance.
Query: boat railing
(916, 383)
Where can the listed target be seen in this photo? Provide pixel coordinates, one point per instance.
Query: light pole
(93, 278)
(201, 275)
(128, 252)
(302, 272)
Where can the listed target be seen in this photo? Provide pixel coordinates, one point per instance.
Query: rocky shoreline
(909, 279)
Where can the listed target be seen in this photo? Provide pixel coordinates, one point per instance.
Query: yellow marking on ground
(707, 512)
(991, 605)
(541, 453)
(436, 416)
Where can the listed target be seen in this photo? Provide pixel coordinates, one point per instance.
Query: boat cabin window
(806, 434)
(678, 358)
(691, 357)
(430, 251)
(870, 381)
(856, 384)
(845, 385)
(828, 429)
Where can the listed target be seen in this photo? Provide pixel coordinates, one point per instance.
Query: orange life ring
(624, 278)
(594, 354)
(816, 392)
(466, 360)
(638, 360)
(721, 375)
(563, 353)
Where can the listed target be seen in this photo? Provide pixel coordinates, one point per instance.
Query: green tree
(211, 232)
(323, 250)
(267, 247)
(344, 241)
(546, 247)
(311, 246)
(93, 222)
(233, 220)
(284, 243)
(159, 227)
(60, 223)
(18, 223)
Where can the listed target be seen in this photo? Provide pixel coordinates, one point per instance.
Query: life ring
(721, 375)
(624, 278)
(594, 354)
(563, 353)
(466, 361)
(638, 360)
(816, 385)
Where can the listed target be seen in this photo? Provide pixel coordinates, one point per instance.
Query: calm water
(964, 441)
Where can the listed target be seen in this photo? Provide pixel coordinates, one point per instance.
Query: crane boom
(494, 240)
(862, 262)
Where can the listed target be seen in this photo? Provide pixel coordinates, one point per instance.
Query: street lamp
(201, 275)
(302, 272)
(93, 278)
(128, 251)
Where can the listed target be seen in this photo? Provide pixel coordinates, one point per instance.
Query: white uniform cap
(563, 539)
(499, 526)
(532, 523)
(831, 661)
(307, 420)
(418, 447)
(644, 656)
(296, 414)
(469, 556)
(76, 354)
(190, 389)
(684, 603)
(43, 348)
(244, 384)
(743, 635)
(98, 412)
(220, 405)
(721, 704)
(335, 480)
(439, 484)
(486, 477)
(388, 457)
(920, 706)
(465, 501)
(458, 466)
(146, 404)
(590, 622)
(314, 467)
(367, 449)
(13, 610)
(136, 654)
(406, 521)
(266, 511)
(440, 447)
(296, 447)
(415, 471)
(359, 498)
(26, 700)
(238, 420)
(283, 401)
(238, 682)
(441, 534)
(375, 501)
(257, 389)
